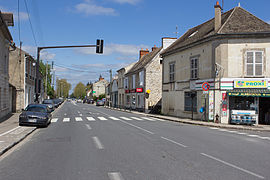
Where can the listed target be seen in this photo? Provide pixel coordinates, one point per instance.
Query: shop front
(249, 101)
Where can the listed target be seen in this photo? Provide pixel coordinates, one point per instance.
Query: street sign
(94, 91)
(205, 86)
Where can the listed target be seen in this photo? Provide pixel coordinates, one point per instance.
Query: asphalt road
(87, 142)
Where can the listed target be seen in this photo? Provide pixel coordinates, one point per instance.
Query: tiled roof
(234, 21)
(144, 61)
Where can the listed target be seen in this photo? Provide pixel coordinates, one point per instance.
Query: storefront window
(243, 103)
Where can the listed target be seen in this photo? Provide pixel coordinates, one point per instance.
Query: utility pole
(46, 82)
(110, 90)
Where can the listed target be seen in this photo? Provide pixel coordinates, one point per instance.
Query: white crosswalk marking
(90, 118)
(66, 119)
(114, 118)
(136, 118)
(54, 120)
(78, 118)
(102, 118)
(149, 119)
(125, 118)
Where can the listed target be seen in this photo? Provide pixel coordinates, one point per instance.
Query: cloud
(133, 2)
(23, 16)
(268, 22)
(44, 55)
(88, 8)
(123, 49)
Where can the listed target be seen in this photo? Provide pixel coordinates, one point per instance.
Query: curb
(16, 142)
(194, 123)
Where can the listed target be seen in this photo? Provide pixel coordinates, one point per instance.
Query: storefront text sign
(249, 94)
(251, 83)
(139, 90)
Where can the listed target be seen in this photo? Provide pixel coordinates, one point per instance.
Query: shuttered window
(254, 63)
(172, 72)
(194, 68)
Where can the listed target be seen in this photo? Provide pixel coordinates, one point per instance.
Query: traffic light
(99, 47)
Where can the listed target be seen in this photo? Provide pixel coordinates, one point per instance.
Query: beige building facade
(99, 87)
(220, 70)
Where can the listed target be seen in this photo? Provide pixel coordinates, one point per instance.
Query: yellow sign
(148, 91)
(262, 83)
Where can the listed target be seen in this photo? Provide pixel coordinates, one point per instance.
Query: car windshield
(36, 109)
(47, 102)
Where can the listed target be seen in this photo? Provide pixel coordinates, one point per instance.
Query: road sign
(94, 91)
(205, 86)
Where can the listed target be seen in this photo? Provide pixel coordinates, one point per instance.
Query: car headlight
(50, 106)
(43, 117)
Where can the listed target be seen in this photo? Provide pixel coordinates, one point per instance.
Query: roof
(144, 60)
(233, 22)
(4, 28)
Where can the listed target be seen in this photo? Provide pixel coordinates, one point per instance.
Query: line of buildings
(216, 71)
(17, 72)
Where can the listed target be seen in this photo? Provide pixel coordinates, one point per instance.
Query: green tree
(80, 90)
(42, 68)
(63, 88)
(101, 96)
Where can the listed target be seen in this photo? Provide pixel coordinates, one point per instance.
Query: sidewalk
(201, 123)
(11, 133)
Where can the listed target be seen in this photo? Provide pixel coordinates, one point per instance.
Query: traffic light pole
(99, 50)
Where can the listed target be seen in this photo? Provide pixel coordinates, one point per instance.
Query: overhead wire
(31, 26)
(72, 69)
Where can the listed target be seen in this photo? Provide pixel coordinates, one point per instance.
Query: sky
(125, 25)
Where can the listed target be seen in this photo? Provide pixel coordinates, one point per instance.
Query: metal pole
(191, 107)
(46, 82)
(37, 76)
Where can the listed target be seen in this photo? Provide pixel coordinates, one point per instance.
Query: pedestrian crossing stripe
(114, 118)
(54, 120)
(136, 118)
(125, 118)
(90, 118)
(102, 118)
(66, 119)
(78, 118)
(149, 119)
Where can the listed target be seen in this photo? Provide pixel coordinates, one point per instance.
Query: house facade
(143, 82)
(114, 93)
(122, 85)
(99, 87)
(221, 68)
(6, 19)
(22, 76)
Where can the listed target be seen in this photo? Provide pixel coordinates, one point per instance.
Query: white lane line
(9, 131)
(253, 135)
(65, 114)
(66, 119)
(2, 141)
(233, 166)
(97, 143)
(125, 118)
(114, 118)
(136, 118)
(268, 138)
(222, 129)
(90, 118)
(213, 128)
(241, 133)
(137, 127)
(78, 118)
(88, 126)
(147, 118)
(115, 176)
(80, 114)
(102, 118)
(54, 120)
(233, 131)
(158, 119)
(179, 144)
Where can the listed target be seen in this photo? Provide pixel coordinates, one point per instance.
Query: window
(133, 81)
(194, 68)
(126, 83)
(141, 76)
(172, 72)
(128, 99)
(254, 63)
(188, 101)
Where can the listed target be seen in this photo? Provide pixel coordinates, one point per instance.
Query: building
(143, 87)
(6, 19)
(99, 87)
(114, 93)
(121, 89)
(22, 76)
(230, 56)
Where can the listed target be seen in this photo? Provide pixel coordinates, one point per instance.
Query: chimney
(143, 52)
(154, 48)
(217, 16)
(8, 18)
(166, 42)
(101, 78)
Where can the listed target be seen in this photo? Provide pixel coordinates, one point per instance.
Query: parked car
(50, 104)
(100, 103)
(57, 102)
(35, 114)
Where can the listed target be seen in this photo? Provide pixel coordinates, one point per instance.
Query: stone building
(114, 92)
(121, 89)
(6, 19)
(99, 87)
(22, 75)
(143, 82)
(230, 56)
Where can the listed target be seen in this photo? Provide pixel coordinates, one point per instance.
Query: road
(87, 142)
